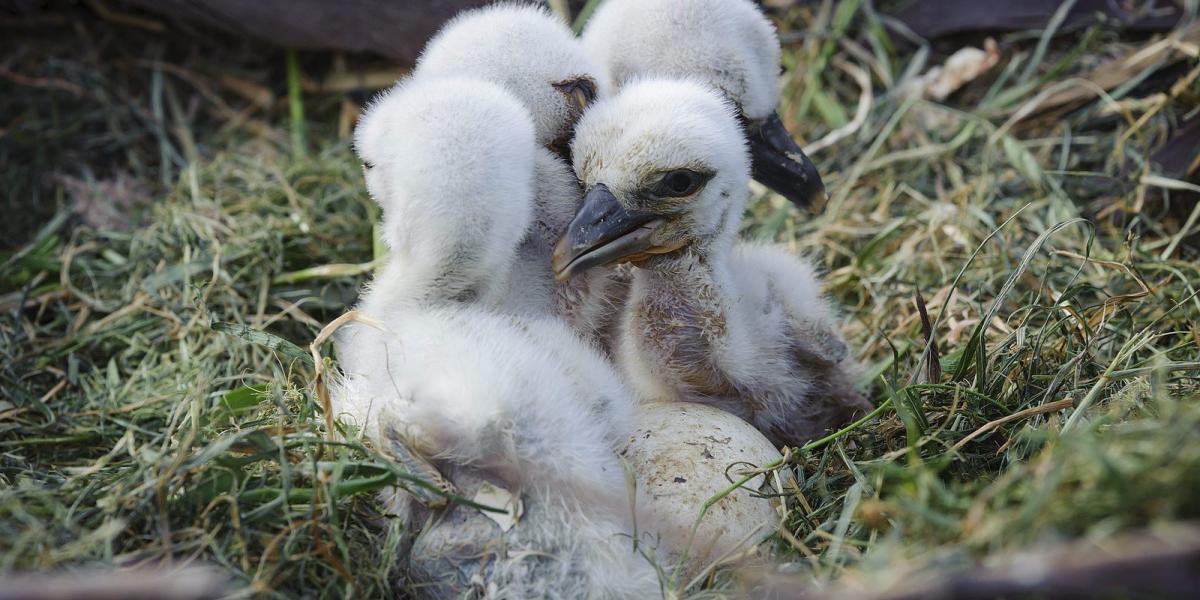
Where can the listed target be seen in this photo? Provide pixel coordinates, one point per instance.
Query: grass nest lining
(157, 399)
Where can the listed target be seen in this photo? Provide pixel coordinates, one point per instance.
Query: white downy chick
(740, 327)
(727, 44)
(520, 402)
(527, 50)
(430, 166)
(531, 53)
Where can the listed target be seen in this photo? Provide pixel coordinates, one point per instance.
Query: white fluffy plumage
(525, 49)
(531, 53)
(709, 320)
(518, 401)
(429, 164)
(728, 44)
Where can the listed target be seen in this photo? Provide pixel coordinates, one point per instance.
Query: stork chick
(740, 327)
(521, 403)
(527, 50)
(532, 53)
(727, 44)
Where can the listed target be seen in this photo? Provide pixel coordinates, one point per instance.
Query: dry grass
(1057, 263)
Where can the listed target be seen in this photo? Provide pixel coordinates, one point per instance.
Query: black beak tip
(780, 164)
(815, 195)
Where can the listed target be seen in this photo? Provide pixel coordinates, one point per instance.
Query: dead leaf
(961, 68)
(932, 373)
(492, 495)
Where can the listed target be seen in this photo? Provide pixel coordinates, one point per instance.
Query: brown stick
(1021, 414)
(1163, 563)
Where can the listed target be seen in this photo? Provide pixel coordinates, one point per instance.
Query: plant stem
(296, 105)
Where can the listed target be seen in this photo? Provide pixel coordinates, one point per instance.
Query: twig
(1146, 564)
(319, 365)
(129, 20)
(1021, 414)
(41, 82)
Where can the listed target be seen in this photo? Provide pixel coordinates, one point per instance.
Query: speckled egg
(681, 454)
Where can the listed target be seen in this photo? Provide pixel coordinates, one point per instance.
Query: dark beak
(603, 232)
(781, 165)
(579, 92)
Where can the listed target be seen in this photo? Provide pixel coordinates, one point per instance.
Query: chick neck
(706, 257)
(693, 281)
(407, 282)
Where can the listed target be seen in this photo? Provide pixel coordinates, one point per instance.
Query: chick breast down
(754, 337)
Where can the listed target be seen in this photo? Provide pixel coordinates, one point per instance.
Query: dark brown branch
(1164, 563)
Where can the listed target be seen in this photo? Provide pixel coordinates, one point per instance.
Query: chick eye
(368, 165)
(679, 183)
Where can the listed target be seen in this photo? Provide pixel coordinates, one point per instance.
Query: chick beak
(603, 232)
(781, 165)
(579, 92)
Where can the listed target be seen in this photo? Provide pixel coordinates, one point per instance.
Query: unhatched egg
(683, 454)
